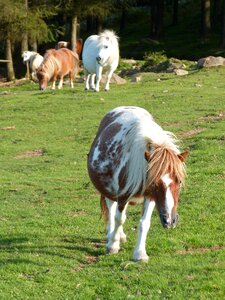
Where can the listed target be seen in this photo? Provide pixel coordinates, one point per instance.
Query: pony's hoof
(142, 257)
(123, 239)
(112, 250)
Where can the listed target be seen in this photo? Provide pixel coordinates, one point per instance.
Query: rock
(180, 72)
(211, 61)
(136, 78)
(114, 79)
(129, 61)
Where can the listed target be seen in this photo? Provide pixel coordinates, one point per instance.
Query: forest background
(185, 29)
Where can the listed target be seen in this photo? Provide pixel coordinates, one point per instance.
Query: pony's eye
(106, 47)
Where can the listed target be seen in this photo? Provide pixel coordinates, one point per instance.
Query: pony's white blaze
(169, 201)
(166, 180)
(100, 53)
(133, 160)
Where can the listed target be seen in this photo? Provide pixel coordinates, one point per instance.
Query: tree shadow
(68, 247)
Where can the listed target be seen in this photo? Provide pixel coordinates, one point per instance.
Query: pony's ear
(147, 155)
(183, 156)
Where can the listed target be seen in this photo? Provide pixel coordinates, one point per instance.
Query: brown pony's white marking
(58, 63)
(133, 160)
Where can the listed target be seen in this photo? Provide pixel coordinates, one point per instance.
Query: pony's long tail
(79, 46)
(104, 208)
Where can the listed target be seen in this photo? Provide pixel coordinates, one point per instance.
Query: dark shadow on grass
(13, 240)
(67, 248)
(17, 261)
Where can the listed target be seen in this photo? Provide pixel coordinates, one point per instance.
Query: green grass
(52, 240)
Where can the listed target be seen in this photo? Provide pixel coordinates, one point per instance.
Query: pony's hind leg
(71, 78)
(116, 235)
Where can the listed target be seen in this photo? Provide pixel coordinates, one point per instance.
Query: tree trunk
(157, 18)
(175, 12)
(24, 42)
(74, 33)
(215, 11)
(205, 20)
(123, 20)
(223, 26)
(99, 24)
(33, 44)
(9, 65)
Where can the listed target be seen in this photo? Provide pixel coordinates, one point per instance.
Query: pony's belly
(89, 62)
(136, 200)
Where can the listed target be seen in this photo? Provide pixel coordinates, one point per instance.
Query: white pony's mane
(108, 35)
(145, 135)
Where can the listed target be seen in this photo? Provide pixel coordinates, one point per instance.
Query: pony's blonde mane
(49, 64)
(164, 161)
(150, 137)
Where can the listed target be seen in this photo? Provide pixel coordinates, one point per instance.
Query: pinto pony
(100, 53)
(133, 160)
(58, 63)
(34, 59)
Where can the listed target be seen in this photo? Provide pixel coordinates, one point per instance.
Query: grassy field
(52, 240)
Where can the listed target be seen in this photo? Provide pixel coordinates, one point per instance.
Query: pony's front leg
(117, 235)
(109, 75)
(53, 84)
(143, 228)
(92, 81)
(98, 77)
(60, 85)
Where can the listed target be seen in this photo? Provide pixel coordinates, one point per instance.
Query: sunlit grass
(52, 243)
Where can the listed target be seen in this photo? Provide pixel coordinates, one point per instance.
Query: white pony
(34, 59)
(100, 53)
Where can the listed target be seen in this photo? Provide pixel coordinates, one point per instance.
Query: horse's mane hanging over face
(49, 63)
(164, 161)
(109, 36)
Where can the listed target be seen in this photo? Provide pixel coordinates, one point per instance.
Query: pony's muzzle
(98, 59)
(41, 88)
(169, 222)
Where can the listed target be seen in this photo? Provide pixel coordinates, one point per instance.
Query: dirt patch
(74, 214)
(89, 259)
(8, 128)
(29, 154)
(213, 118)
(200, 250)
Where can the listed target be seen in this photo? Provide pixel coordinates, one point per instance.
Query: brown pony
(58, 63)
(133, 160)
(78, 46)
